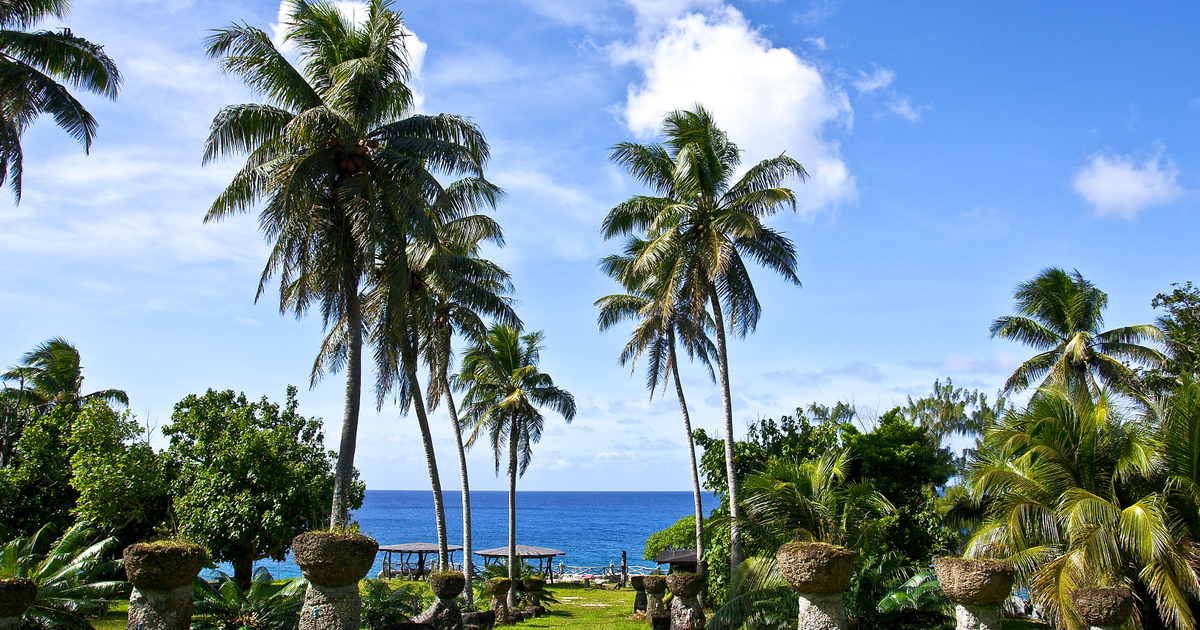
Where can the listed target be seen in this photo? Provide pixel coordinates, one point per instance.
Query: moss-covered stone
(332, 559)
(163, 566)
(638, 582)
(1103, 606)
(534, 584)
(656, 584)
(499, 586)
(683, 584)
(16, 596)
(814, 567)
(976, 582)
(447, 584)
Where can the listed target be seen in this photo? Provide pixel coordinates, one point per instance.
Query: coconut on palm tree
(334, 157)
(1061, 315)
(650, 303)
(700, 225)
(32, 64)
(505, 393)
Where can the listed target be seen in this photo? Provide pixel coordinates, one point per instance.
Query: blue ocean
(593, 528)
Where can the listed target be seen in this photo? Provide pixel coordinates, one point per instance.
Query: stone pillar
(16, 596)
(655, 586)
(819, 573)
(499, 589)
(533, 596)
(977, 587)
(660, 622)
(162, 574)
(444, 614)
(1103, 607)
(333, 564)
(686, 611)
(639, 593)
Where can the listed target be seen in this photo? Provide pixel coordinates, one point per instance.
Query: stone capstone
(447, 584)
(1103, 606)
(499, 586)
(686, 613)
(534, 584)
(816, 567)
(975, 582)
(975, 617)
(160, 610)
(656, 584)
(443, 614)
(331, 559)
(16, 596)
(331, 607)
(163, 566)
(821, 611)
(685, 584)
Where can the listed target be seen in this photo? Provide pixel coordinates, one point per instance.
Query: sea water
(593, 528)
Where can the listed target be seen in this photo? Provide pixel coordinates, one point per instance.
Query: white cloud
(768, 99)
(654, 14)
(901, 107)
(857, 369)
(955, 364)
(249, 321)
(1116, 185)
(819, 10)
(878, 79)
(819, 42)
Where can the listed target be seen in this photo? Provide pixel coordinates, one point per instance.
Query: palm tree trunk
(687, 427)
(435, 480)
(735, 535)
(468, 565)
(340, 514)
(512, 512)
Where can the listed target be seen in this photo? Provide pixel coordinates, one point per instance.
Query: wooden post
(624, 569)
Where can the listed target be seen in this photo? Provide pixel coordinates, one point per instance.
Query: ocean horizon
(591, 527)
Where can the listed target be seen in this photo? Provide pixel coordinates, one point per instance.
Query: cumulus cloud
(654, 14)
(1116, 185)
(767, 98)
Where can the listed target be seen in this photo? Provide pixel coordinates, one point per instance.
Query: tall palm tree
(649, 303)
(50, 375)
(335, 156)
(1068, 505)
(31, 66)
(505, 392)
(703, 224)
(1061, 315)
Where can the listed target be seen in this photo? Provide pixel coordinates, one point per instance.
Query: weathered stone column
(444, 614)
(16, 596)
(499, 589)
(333, 564)
(533, 596)
(639, 592)
(819, 573)
(1103, 607)
(655, 585)
(976, 587)
(686, 611)
(162, 574)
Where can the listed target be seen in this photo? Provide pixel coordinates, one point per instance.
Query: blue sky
(955, 149)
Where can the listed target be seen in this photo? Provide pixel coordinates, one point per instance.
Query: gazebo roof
(523, 551)
(676, 555)
(417, 547)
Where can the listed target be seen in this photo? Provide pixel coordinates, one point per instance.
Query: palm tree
(505, 392)
(31, 66)
(50, 376)
(1061, 315)
(1068, 507)
(701, 225)
(648, 303)
(336, 158)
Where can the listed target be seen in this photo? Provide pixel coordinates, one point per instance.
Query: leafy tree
(248, 477)
(1181, 327)
(337, 160)
(31, 66)
(120, 479)
(681, 535)
(505, 394)
(35, 488)
(702, 225)
(68, 573)
(1060, 314)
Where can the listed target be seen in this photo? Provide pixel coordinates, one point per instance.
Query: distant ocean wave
(593, 528)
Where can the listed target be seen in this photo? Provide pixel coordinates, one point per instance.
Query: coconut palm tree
(50, 376)
(1061, 315)
(650, 303)
(334, 156)
(31, 66)
(505, 392)
(704, 223)
(1069, 506)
